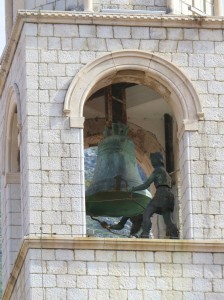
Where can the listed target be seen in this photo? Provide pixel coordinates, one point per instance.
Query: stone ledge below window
(85, 243)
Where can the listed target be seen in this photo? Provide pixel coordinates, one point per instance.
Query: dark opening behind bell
(116, 171)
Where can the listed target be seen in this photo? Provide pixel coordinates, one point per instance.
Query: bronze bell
(115, 173)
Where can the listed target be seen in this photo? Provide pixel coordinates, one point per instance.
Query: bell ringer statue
(163, 200)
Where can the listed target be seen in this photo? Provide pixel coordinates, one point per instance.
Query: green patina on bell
(116, 171)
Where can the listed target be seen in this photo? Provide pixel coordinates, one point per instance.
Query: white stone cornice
(74, 17)
(121, 244)
(206, 246)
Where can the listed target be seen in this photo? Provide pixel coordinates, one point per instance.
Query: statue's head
(156, 159)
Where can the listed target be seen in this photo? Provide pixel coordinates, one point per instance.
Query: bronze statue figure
(163, 200)
(135, 227)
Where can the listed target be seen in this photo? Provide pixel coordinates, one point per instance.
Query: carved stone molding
(82, 243)
(74, 17)
(138, 67)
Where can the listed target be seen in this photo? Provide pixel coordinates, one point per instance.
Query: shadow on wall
(0, 250)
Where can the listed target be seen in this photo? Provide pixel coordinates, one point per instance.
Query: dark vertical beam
(124, 108)
(108, 107)
(168, 127)
(119, 104)
(115, 105)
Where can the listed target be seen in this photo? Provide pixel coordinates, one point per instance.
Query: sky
(2, 25)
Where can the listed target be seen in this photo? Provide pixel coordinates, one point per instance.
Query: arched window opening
(180, 97)
(152, 128)
(11, 195)
(14, 145)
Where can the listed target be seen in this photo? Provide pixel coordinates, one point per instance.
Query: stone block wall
(78, 5)
(181, 7)
(54, 5)
(154, 5)
(108, 274)
(54, 153)
(12, 223)
(61, 52)
(21, 289)
(47, 58)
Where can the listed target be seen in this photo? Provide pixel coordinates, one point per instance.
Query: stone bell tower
(60, 57)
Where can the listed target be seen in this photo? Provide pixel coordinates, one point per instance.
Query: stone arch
(143, 68)
(138, 67)
(11, 191)
(13, 104)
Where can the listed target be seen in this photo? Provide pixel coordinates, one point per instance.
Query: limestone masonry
(58, 55)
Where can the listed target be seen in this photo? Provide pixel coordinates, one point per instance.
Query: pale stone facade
(54, 62)
(89, 274)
